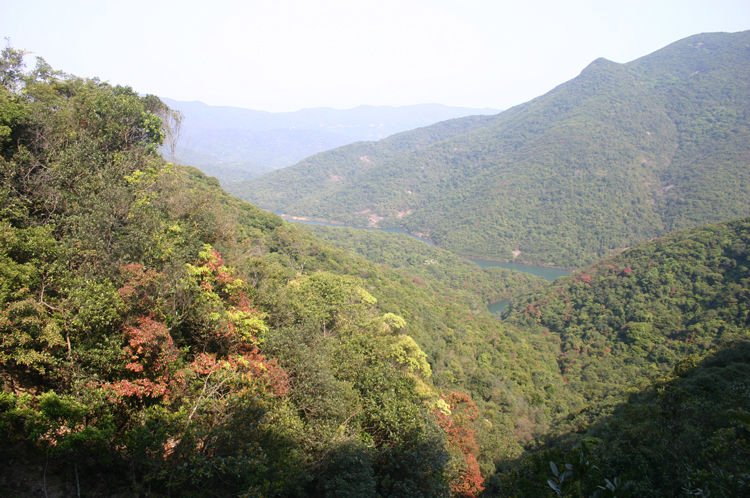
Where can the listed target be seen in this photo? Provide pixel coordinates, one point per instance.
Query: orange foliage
(152, 355)
(469, 482)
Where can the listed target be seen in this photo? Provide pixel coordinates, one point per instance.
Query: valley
(163, 336)
(494, 307)
(619, 155)
(546, 273)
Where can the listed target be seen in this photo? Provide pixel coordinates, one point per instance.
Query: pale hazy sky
(284, 55)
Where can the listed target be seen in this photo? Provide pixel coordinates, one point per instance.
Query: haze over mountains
(618, 155)
(234, 144)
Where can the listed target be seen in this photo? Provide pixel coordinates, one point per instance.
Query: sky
(286, 55)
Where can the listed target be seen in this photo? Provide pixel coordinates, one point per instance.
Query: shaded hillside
(616, 156)
(685, 435)
(657, 342)
(634, 316)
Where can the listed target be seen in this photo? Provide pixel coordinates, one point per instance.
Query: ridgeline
(621, 154)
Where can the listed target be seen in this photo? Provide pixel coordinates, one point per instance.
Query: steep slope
(159, 335)
(683, 436)
(637, 314)
(618, 155)
(337, 171)
(657, 340)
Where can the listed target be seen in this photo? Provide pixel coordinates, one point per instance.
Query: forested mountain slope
(685, 435)
(621, 154)
(636, 314)
(667, 321)
(335, 170)
(159, 336)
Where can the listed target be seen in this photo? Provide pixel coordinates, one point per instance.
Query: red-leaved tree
(468, 481)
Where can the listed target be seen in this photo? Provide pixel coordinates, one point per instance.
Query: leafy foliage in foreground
(620, 154)
(133, 351)
(157, 334)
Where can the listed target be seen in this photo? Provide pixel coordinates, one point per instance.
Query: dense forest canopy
(159, 337)
(669, 323)
(654, 342)
(134, 346)
(620, 154)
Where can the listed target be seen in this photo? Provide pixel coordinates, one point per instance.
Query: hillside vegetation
(635, 315)
(429, 264)
(619, 155)
(158, 336)
(668, 322)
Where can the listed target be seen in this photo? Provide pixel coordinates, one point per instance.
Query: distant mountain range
(234, 144)
(620, 154)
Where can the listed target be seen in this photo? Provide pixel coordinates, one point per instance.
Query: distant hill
(620, 154)
(234, 144)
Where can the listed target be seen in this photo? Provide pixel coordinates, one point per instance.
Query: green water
(547, 273)
(498, 307)
(495, 308)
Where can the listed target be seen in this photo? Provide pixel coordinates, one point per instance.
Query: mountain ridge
(626, 152)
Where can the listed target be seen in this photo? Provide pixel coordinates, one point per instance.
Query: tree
(172, 122)
(11, 67)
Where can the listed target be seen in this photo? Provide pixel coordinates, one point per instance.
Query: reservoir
(546, 273)
(498, 307)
